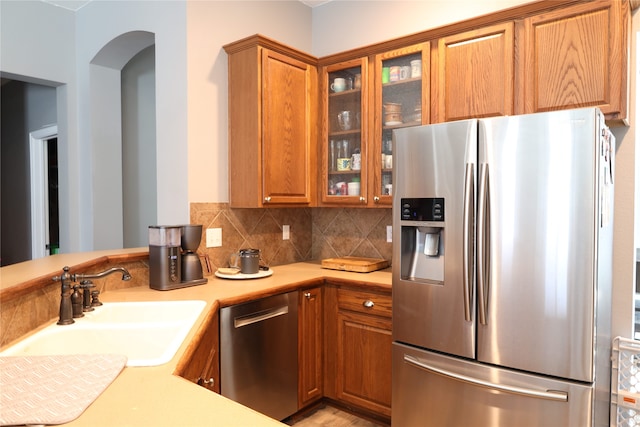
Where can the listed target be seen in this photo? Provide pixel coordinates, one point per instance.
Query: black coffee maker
(173, 260)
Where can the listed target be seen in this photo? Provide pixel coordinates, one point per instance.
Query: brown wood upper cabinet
(474, 76)
(383, 92)
(408, 94)
(345, 104)
(272, 124)
(577, 57)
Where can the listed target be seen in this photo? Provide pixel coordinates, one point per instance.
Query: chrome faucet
(66, 279)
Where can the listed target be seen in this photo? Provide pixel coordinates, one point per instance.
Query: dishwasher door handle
(260, 316)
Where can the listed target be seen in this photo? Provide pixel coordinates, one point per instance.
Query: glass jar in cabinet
(344, 133)
(401, 100)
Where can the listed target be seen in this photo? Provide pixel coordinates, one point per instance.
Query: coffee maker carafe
(173, 261)
(191, 267)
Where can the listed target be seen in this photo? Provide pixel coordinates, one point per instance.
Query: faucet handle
(85, 285)
(95, 302)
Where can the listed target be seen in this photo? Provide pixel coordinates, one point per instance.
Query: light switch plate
(389, 234)
(285, 232)
(214, 237)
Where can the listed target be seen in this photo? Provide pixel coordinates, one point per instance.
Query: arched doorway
(122, 77)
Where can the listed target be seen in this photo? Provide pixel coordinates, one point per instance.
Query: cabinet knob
(362, 199)
(376, 199)
(205, 382)
(307, 295)
(267, 199)
(368, 303)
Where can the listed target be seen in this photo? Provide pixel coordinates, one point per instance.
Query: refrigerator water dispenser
(422, 240)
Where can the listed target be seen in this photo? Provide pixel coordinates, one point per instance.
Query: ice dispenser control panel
(422, 240)
(422, 209)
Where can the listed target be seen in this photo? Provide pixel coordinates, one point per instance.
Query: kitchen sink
(148, 333)
(145, 312)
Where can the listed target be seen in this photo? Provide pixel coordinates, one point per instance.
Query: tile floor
(329, 416)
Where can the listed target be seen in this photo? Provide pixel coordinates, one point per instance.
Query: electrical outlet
(389, 234)
(285, 232)
(214, 237)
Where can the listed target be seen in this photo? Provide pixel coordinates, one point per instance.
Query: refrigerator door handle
(467, 245)
(559, 396)
(483, 242)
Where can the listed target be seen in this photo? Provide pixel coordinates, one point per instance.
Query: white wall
(211, 25)
(346, 24)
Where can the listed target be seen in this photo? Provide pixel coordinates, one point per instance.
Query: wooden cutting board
(356, 264)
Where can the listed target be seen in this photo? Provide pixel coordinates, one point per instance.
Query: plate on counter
(241, 276)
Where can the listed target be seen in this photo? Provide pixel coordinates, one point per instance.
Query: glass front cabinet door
(344, 133)
(401, 100)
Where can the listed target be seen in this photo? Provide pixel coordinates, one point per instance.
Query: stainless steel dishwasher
(259, 354)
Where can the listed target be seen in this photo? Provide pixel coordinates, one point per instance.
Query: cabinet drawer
(365, 302)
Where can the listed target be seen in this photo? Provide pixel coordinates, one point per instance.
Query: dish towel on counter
(53, 389)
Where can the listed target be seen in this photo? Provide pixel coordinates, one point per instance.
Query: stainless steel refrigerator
(502, 232)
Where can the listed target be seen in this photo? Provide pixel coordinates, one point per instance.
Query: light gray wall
(37, 44)
(139, 193)
(100, 23)
(191, 95)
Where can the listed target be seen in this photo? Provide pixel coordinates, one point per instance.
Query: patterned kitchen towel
(53, 389)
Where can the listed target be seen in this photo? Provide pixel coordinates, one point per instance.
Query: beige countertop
(154, 396)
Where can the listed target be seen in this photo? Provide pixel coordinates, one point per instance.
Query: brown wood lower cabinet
(201, 362)
(358, 348)
(309, 346)
(344, 348)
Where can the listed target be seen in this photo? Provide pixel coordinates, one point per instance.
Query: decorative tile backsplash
(315, 233)
(22, 314)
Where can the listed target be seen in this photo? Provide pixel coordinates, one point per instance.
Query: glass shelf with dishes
(344, 136)
(400, 77)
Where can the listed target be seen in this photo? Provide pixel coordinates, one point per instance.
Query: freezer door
(435, 310)
(537, 242)
(430, 389)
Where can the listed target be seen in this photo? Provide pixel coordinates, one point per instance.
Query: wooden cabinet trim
(260, 40)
